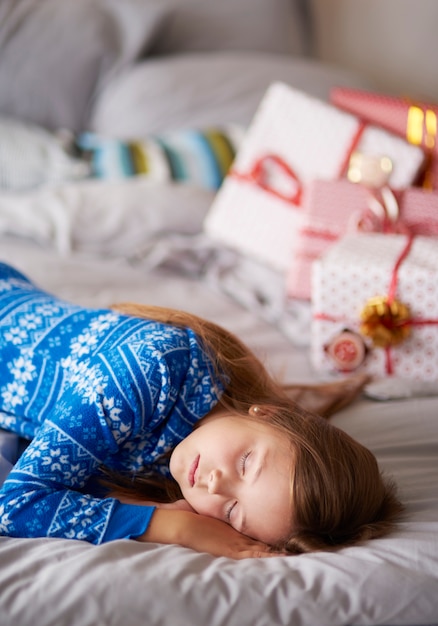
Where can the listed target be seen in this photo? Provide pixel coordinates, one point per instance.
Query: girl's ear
(256, 411)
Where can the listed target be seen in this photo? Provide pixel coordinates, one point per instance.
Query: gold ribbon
(385, 323)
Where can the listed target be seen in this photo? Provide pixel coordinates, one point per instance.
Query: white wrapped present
(375, 306)
(293, 139)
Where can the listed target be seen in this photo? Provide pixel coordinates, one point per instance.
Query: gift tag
(369, 169)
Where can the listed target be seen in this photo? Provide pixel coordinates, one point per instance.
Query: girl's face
(237, 470)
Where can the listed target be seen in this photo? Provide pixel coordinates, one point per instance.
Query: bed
(98, 241)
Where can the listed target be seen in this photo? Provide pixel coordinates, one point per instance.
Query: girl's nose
(215, 482)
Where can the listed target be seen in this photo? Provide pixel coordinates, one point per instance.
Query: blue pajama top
(90, 387)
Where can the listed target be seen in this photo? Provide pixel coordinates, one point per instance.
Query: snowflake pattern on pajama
(90, 387)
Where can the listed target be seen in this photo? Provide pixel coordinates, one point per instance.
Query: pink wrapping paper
(416, 121)
(334, 208)
(329, 209)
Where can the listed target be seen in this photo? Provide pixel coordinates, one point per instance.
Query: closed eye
(229, 511)
(243, 461)
(242, 466)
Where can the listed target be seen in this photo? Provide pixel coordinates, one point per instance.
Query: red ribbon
(390, 298)
(258, 175)
(353, 145)
(394, 278)
(327, 235)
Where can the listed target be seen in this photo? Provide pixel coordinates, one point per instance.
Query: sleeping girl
(155, 425)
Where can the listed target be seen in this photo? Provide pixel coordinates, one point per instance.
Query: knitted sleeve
(123, 408)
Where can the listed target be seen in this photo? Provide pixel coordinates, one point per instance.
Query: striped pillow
(199, 157)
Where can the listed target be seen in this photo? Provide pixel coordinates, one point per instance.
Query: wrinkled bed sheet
(388, 581)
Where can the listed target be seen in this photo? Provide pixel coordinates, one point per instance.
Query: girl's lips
(192, 471)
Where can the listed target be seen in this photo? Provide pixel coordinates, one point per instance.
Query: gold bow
(385, 323)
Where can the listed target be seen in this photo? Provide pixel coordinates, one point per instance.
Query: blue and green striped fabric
(200, 157)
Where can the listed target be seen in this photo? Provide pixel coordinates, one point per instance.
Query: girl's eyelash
(228, 513)
(242, 469)
(243, 461)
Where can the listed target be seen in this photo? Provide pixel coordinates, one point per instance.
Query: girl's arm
(91, 422)
(201, 533)
(119, 402)
(43, 497)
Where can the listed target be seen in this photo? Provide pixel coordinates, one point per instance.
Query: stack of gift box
(342, 198)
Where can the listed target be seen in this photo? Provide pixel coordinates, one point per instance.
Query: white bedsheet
(389, 581)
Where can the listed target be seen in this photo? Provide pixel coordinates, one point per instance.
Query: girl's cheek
(175, 465)
(197, 502)
(207, 506)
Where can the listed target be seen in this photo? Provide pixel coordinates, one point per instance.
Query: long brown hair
(339, 495)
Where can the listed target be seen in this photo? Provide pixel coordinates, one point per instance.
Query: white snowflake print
(7, 421)
(46, 310)
(83, 343)
(5, 522)
(16, 335)
(34, 452)
(14, 394)
(30, 321)
(103, 322)
(10, 283)
(87, 379)
(5, 285)
(22, 369)
(55, 460)
(118, 428)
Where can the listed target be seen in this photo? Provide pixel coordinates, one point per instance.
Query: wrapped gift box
(419, 211)
(416, 121)
(353, 285)
(327, 215)
(334, 208)
(293, 139)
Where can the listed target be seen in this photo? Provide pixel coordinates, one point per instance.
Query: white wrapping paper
(312, 139)
(360, 267)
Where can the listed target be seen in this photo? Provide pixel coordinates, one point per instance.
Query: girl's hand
(202, 533)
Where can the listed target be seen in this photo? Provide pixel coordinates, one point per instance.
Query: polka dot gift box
(375, 306)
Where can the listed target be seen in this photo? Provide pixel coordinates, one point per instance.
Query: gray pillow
(277, 26)
(55, 54)
(202, 89)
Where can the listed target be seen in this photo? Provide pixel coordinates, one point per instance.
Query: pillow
(198, 90)
(55, 54)
(199, 157)
(31, 156)
(277, 26)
